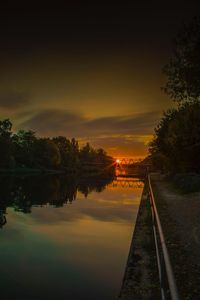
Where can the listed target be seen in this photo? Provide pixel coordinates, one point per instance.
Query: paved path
(180, 218)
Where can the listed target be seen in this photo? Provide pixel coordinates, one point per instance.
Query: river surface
(64, 238)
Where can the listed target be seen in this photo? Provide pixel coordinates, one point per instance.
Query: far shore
(30, 171)
(43, 171)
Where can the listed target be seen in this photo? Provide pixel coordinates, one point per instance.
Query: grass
(187, 182)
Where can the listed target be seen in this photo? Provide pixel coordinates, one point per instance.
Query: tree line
(24, 149)
(176, 143)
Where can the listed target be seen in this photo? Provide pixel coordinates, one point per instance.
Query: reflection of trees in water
(23, 193)
(2, 218)
(97, 185)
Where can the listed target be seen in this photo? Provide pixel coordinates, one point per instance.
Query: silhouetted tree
(69, 151)
(74, 151)
(23, 149)
(6, 160)
(176, 144)
(47, 153)
(24, 143)
(87, 154)
(183, 70)
(64, 147)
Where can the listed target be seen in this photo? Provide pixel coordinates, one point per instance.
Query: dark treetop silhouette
(24, 150)
(183, 70)
(176, 144)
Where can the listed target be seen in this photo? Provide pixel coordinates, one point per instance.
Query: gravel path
(180, 219)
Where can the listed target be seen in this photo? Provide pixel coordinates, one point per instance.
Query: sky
(89, 71)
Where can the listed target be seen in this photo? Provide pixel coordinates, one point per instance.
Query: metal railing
(165, 271)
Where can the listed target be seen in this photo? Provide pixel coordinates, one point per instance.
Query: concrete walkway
(141, 276)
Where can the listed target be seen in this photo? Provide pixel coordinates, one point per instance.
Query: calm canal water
(64, 238)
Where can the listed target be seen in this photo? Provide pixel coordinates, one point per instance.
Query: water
(65, 238)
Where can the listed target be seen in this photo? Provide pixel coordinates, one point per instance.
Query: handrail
(168, 266)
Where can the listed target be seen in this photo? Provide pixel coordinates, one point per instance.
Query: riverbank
(44, 171)
(179, 215)
(141, 276)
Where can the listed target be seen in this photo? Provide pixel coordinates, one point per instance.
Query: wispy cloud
(114, 132)
(13, 100)
(57, 122)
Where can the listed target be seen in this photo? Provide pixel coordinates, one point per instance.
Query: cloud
(139, 123)
(54, 123)
(114, 132)
(57, 122)
(123, 145)
(13, 100)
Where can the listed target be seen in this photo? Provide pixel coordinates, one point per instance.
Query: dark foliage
(176, 144)
(5, 144)
(183, 70)
(24, 150)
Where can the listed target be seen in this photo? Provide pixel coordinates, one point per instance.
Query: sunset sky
(92, 72)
